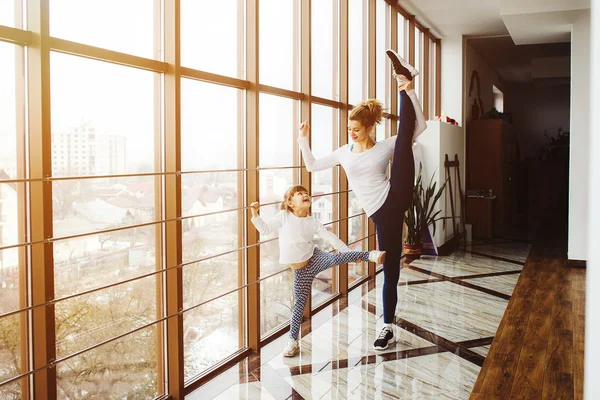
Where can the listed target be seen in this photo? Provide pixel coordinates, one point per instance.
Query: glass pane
(211, 126)
(279, 58)
(10, 333)
(360, 269)
(204, 195)
(86, 320)
(353, 205)
(276, 301)
(324, 208)
(274, 183)
(383, 130)
(125, 369)
(324, 127)
(210, 235)
(269, 252)
(90, 262)
(221, 19)
(9, 221)
(418, 63)
(9, 278)
(279, 121)
(208, 279)
(8, 105)
(10, 353)
(358, 50)
(101, 126)
(10, 327)
(382, 38)
(432, 79)
(325, 57)
(402, 24)
(211, 333)
(7, 17)
(89, 205)
(125, 26)
(357, 229)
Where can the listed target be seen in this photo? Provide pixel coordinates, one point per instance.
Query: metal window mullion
(22, 192)
(172, 199)
(161, 333)
(41, 281)
(372, 33)
(305, 105)
(438, 77)
(426, 72)
(252, 174)
(343, 137)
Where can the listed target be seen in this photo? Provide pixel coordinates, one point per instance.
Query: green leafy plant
(421, 213)
(557, 147)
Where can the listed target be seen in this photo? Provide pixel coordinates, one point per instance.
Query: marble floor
(449, 309)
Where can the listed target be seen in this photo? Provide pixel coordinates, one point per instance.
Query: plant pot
(412, 251)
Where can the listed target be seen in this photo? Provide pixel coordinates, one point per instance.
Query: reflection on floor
(449, 309)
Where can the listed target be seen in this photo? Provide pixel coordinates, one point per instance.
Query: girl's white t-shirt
(296, 235)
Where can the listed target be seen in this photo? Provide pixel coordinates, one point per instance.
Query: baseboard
(577, 263)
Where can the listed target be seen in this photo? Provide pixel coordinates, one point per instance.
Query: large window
(131, 150)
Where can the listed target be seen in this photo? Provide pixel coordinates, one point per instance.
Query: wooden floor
(538, 350)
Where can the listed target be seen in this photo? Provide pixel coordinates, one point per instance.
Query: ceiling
(523, 40)
(525, 62)
(527, 21)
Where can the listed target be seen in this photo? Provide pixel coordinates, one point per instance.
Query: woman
(365, 162)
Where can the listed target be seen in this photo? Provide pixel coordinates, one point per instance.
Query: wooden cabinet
(480, 214)
(491, 164)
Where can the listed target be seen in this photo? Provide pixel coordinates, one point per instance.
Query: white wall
(432, 146)
(580, 132)
(487, 78)
(592, 314)
(452, 77)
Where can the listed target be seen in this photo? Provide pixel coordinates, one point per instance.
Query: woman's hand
(254, 208)
(304, 129)
(405, 84)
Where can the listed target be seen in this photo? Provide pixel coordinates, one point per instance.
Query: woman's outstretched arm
(420, 124)
(312, 164)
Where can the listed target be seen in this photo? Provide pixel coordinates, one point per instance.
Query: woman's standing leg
(389, 235)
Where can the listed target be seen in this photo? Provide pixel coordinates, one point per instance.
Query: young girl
(297, 228)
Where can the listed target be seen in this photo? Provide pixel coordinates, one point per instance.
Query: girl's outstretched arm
(331, 238)
(265, 227)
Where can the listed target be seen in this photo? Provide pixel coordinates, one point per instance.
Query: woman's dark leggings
(389, 218)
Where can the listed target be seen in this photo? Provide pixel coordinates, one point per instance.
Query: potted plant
(420, 215)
